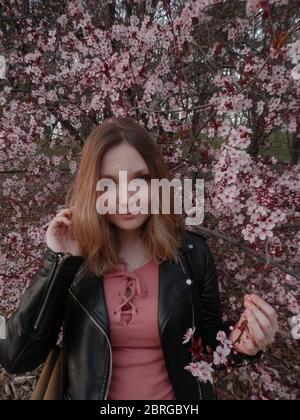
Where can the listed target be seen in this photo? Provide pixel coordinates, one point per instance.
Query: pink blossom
(294, 52)
(2, 67)
(263, 231)
(202, 370)
(188, 335)
(296, 332)
(296, 72)
(221, 353)
(221, 336)
(294, 323)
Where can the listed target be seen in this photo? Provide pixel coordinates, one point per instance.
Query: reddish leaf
(266, 9)
(229, 86)
(219, 48)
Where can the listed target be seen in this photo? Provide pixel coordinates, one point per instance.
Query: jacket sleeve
(32, 330)
(211, 310)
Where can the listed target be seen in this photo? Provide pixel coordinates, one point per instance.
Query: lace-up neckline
(133, 287)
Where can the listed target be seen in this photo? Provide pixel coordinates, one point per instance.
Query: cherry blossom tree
(215, 81)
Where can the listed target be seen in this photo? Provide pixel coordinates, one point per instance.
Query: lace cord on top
(133, 287)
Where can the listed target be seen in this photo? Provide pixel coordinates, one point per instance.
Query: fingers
(248, 342)
(244, 343)
(266, 308)
(66, 212)
(255, 329)
(61, 221)
(263, 321)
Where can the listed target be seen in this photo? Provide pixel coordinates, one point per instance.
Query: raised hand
(60, 235)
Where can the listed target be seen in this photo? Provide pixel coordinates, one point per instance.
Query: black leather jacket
(60, 293)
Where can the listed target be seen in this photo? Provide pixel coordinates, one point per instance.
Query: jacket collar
(172, 284)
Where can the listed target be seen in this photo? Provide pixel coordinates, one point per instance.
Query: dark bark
(295, 149)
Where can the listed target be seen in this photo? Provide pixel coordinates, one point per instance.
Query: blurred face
(124, 157)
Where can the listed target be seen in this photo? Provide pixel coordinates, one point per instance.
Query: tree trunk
(295, 149)
(253, 148)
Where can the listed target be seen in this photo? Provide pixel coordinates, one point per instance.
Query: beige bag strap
(49, 385)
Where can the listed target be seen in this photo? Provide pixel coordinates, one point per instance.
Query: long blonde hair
(97, 238)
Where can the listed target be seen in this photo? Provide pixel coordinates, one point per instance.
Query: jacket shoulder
(196, 235)
(199, 254)
(192, 239)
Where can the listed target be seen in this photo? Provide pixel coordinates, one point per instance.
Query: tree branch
(261, 257)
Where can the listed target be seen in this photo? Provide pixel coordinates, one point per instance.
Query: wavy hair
(97, 238)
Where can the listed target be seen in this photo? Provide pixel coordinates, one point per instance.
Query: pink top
(138, 366)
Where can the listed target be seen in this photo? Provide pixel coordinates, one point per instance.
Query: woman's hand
(256, 328)
(60, 236)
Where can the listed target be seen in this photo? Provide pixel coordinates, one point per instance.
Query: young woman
(126, 287)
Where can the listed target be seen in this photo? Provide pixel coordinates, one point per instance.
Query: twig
(287, 226)
(262, 258)
(13, 390)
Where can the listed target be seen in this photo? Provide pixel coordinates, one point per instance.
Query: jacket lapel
(89, 290)
(172, 284)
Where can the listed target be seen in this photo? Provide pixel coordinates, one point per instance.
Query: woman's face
(125, 157)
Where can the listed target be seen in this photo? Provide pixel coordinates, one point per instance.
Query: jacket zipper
(103, 332)
(60, 258)
(200, 392)
(192, 305)
(193, 320)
